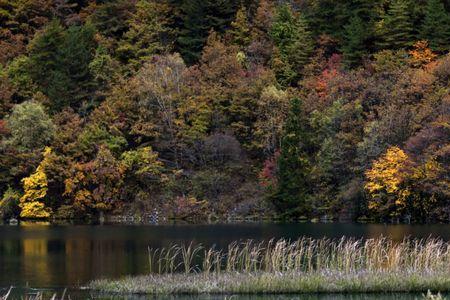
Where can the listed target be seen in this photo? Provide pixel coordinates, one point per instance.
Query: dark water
(60, 256)
(77, 294)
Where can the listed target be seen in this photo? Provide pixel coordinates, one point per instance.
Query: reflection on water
(58, 256)
(80, 294)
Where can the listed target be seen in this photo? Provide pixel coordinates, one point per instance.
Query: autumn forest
(200, 109)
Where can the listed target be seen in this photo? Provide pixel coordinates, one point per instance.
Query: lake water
(59, 256)
(77, 294)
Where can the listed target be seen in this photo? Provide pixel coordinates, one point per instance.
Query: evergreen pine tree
(302, 45)
(396, 28)
(354, 47)
(283, 28)
(240, 29)
(59, 64)
(7, 13)
(328, 17)
(436, 26)
(293, 40)
(74, 56)
(149, 32)
(111, 17)
(293, 165)
(367, 12)
(198, 17)
(364, 9)
(43, 54)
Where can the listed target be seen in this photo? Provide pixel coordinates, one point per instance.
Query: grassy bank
(303, 266)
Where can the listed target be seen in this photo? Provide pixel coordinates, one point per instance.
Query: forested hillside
(194, 108)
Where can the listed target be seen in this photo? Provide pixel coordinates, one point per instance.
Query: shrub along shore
(285, 267)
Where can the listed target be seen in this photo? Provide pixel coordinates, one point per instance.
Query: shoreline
(293, 267)
(276, 283)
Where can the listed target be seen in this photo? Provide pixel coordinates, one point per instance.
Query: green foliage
(388, 61)
(95, 135)
(110, 18)
(74, 56)
(198, 17)
(436, 26)
(104, 68)
(329, 161)
(291, 196)
(210, 184)
(59, 64)
(272, 108)
(328, 17)
(43, 57)
(354, 47)
(30, 126)
(148, 32)
(19, 76)
(240, 28)
(396, 26)
(9, 204)
(143, 165)
(7, 11)
(293, 39)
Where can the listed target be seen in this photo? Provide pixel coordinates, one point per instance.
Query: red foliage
(3, 129)
(331, 71)
(268, 175)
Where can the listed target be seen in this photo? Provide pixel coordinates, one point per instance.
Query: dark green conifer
(293, 165)
(293, 39)
(149, 32)
(43, 54)
(74, 56)
(59, 64)
(328, 17)
(302, 45)
(396, 28)
(240, 29)
(197, 18)
(436, 26)
(111, 17)
(354, 46)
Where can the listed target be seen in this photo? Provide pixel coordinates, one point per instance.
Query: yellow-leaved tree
(384, 183)
(35, 189)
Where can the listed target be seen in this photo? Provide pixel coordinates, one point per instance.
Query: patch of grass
(277, 283)
(303, 266)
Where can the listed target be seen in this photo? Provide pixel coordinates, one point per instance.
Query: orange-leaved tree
(384, 183)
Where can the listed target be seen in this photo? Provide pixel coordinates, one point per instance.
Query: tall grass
(35, 296)
(302, 266)
(305, 255)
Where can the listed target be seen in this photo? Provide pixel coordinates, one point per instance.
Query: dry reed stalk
(306, 255)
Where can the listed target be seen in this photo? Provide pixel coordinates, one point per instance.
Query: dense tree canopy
(196, 108)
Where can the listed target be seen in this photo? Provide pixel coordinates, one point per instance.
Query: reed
(278, 266)
(305, 255)
(35, 296)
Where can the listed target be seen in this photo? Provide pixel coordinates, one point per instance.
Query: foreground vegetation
(198, 108)
(304, 266)
(275, 283)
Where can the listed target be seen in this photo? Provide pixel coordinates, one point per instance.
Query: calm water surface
(77, 294)
(60, 256)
